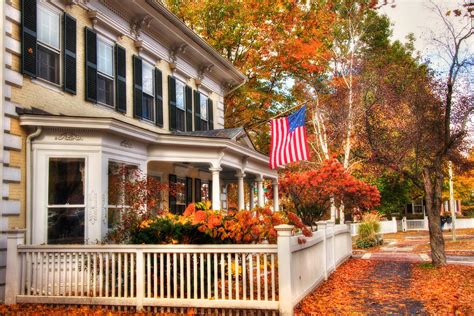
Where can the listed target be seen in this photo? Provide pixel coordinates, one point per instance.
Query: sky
(415, 16)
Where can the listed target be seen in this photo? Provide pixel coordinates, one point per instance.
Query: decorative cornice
(174, 52)
(68, 136)
(203, 70)
(137, 24)
(126, 143)
(230, 84)
(76, 2)
(93, 16)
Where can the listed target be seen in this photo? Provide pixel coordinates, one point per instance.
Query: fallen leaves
(387, 287)
(444, 290)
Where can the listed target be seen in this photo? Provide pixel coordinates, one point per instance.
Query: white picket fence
(386, 227)
(253, 277)
(404, 224)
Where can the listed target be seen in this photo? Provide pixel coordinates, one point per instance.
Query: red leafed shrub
(244, 226)
(311, 191)
(201, 225)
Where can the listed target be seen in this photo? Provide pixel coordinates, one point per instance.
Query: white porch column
(276, 202)
(260, 200)
(252, 195)
(216, 188)
(240, 181)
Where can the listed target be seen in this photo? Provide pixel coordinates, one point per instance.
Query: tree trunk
(433, 180)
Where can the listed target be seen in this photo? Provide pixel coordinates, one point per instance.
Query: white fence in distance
(392, 226)
(254, 277)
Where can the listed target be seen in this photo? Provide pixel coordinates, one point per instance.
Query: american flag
(288, 139)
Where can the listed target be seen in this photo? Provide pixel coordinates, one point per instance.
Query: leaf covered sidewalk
(386, 287)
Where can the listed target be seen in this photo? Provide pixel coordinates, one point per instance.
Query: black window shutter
(159, 97)
(137, 87)
(91, 65)
(172, 193)
(120, 79)
(197, 190)
(69, 42)
(28, 37)
(210, 114)
(189, 109)
(210, 191)
(189, 190)
(172, 102)
(197, 111)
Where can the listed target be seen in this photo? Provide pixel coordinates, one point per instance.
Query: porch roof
(234, 141)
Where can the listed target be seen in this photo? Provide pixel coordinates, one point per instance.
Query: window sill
(48, 85)
(106, 106)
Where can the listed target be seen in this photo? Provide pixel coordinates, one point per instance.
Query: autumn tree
(271, 42)
(312, 191)
(414, 124)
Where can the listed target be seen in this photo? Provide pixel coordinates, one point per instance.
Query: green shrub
(367, 231)
(366, 243)
(165, 230)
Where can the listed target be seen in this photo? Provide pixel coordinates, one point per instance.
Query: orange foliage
(312, 190)
(243, 226)
(385, 287)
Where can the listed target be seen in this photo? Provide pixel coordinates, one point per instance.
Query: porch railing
(255, 277)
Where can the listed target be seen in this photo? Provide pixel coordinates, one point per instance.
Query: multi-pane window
(120, 176)
(180, 105)
(180, 192)
(49, 47)
(105, 72)
(204, 114)
(66, 202)
(204, 191)
(148, 91)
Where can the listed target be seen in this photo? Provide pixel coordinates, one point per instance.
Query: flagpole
(282, 113)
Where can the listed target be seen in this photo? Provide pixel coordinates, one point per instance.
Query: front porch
(70, 158)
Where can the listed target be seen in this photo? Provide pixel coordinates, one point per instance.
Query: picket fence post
(425, 223)
(322, 227)
(330, 224)
(13, 274)
(140, 270)
(394, 224)
(285, 233)
(404, 224)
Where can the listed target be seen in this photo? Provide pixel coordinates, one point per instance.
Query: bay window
(119, 176)
(66, 201)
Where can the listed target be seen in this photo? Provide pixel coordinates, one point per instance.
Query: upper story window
(180, 105)
(148, 91)
(49, 47)
(105, 72)
(48, 44)
(204, 113)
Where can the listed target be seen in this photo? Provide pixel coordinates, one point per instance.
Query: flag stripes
(287, 146)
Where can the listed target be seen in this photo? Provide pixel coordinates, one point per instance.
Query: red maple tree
(313, 190)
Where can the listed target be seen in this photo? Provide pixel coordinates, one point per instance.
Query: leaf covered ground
(385, 287)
